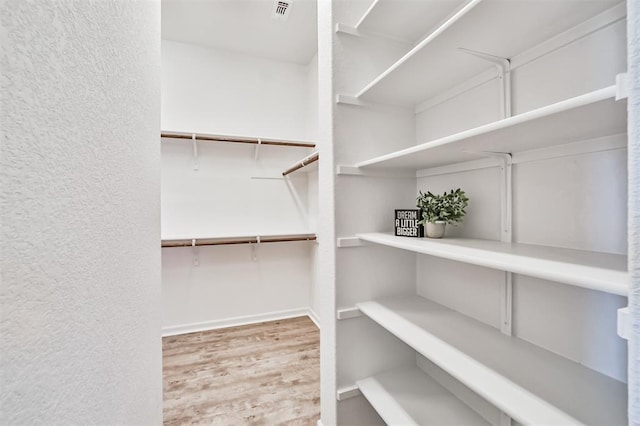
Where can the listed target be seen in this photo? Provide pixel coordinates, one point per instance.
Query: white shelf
(598, 271)
(406, 20)
(528, 383)
(499, 28)
(411, 397)
(588, 116)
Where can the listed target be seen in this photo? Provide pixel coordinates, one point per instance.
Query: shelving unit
(410, 397)
(589, 116)
(501, 29)
(515, 349)
(598, 271)
(405, 20)
(530, 384)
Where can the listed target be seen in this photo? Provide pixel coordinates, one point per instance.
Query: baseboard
(235, 321)
(313, 317)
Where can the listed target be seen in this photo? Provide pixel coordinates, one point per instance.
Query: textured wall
(80, 177)
(326, 268)
(633, 30)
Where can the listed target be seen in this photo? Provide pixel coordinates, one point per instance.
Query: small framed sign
(407, 223)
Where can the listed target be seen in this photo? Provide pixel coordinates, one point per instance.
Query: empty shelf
(411, 397)
(528, 383)
(497, 27)
(595, 114)
(598, 271)
(406, 20)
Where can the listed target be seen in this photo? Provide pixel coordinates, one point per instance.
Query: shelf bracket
(196, 260)
(347, 313)
(257, 150)
(624, 323)
(254, 250)
(506, 234)
(349, 242)
(347, 392)
(504, 76)
(622, 86)
(194, 142)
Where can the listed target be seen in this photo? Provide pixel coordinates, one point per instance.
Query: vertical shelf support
(254, 249)
(257, 150)
(196, 261)
(194, 142)
(504, 76)
(506, 234)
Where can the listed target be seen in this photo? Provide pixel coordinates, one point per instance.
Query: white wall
(216, 91)
(80, 186)
(220, 92)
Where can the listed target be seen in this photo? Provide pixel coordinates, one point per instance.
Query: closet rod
(302, 163)
(236, 139)
(229, 241)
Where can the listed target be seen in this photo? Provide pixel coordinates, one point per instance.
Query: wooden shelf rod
(229, 241)
(302, 163)
(236, 139)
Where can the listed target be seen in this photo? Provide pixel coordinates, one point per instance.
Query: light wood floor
(258, 374)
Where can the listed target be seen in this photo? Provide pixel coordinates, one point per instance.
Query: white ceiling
(243, 26)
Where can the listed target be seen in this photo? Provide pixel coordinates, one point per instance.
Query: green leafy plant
(448, 207)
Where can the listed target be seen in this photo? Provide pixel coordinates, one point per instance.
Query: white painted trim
(347, 392)
(347, 313)
(606, 143)
(233, 322)
(477, 81)
(590, 26)
(466, 166)
(313, 317)
(598, 22)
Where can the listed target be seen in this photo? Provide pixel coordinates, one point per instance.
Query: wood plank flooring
(258, 374)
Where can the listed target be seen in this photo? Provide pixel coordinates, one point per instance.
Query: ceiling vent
(281, 9)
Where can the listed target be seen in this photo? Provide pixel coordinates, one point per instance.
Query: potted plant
(438, 210)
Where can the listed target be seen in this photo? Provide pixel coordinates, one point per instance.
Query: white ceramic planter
(435, 230)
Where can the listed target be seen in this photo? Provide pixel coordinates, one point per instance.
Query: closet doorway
(239, 211)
